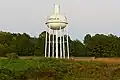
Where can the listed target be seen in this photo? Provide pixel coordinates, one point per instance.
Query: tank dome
(56, 20)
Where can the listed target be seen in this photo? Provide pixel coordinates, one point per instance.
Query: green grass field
(57, 69)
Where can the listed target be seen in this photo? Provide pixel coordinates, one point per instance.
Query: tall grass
(57, 69)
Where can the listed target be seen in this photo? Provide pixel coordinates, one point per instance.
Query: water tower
(57, 45)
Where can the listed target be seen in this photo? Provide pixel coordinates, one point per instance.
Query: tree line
(99, 45)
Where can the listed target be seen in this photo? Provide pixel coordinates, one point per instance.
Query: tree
(99, 45)
(77, 49)
(40, 44)
(103, 46)
(87, 38)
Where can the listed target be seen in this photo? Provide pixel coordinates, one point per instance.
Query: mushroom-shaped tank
(56, 21)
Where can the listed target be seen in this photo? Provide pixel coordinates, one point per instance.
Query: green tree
(77, 49)
(40, 44)
(103, 46)
(87, 38)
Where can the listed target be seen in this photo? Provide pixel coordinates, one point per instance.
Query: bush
(12, 56)
(57, 69)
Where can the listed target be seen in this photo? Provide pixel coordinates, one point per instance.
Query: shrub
(57, 69)
(12, 56)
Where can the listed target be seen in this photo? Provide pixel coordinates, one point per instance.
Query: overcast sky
(84, 16)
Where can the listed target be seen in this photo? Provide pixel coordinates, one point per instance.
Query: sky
(84, 16)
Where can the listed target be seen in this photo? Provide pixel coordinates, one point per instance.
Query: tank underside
(56, 25)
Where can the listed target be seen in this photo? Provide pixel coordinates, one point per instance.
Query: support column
(46, 44)
(60, 44)
(56, 43)
(63, 45)
(53, 45)
(49, 44)
(67, 43)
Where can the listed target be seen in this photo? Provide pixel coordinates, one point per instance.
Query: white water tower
(56, 26)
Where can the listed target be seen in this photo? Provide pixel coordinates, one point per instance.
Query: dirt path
(105, 60)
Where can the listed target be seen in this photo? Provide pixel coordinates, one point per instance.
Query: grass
(57, 69)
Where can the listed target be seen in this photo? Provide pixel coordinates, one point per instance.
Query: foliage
(99, 45)
(56, 69)
(87, 38)
(77, 48)
(103, 46)
(12, 56)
